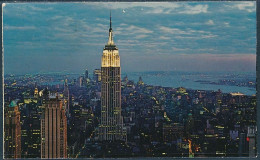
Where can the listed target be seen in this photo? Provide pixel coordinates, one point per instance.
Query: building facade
(66, 97)
(12, 131)
(54, 130)
(97, 75)
(111, 124)
(251, 134)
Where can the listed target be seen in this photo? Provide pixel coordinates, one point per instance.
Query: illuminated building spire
(110, 39)
(111, 126)
(110, 22)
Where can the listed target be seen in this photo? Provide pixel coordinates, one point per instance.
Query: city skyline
(113, 115)
(176, 37)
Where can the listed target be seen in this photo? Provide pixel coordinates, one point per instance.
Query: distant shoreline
(227, 82)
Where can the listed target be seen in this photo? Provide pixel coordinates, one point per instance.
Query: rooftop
(13, 104)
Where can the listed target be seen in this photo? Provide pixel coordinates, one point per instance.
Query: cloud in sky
(19, 27)
(145, 32)
(132, 29)
(195, 9)
(172, 30)
(210, 22)
(156, 7)
(248, 6)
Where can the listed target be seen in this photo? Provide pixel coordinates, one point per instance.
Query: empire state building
(111, 124)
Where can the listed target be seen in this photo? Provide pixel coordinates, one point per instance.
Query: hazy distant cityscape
(201, 104)
(243, 82)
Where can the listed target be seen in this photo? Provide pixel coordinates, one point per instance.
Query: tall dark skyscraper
(86, 74)
(12, 131)
(66, 97)
(251, 138)
(54, 130)
(111, 124)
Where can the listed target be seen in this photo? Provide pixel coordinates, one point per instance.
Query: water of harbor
(188, 80)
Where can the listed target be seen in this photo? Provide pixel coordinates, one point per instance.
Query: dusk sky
(165, 36)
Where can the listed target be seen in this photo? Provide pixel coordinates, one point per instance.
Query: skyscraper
(242, 145)
(86, 74)
(140, 82)
(12, 131)
(111, 124)
(97, 75)
(66, 97)
(251, 134)
(54, 130)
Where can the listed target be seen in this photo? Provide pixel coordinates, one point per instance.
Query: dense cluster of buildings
(106, 116)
